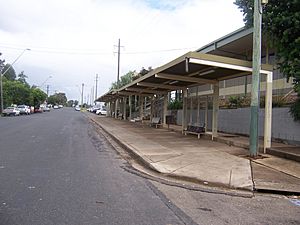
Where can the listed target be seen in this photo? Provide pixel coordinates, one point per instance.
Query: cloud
(75, 39)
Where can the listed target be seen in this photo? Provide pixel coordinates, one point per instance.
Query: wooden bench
(155, 122)
(197, 130)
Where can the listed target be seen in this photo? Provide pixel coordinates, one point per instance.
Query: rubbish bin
(169, 120)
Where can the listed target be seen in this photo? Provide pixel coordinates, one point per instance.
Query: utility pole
(118, 77)
(1, 86)
(96, 86)
(82, 86)
(256, 66)
(47, 90)
(93, 93)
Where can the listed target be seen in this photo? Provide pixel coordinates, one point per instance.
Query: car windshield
(21, 106)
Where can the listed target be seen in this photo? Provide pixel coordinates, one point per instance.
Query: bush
(235, 101)
(295, 110)
(175, 105)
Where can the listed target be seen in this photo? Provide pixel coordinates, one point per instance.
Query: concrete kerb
(147, 163)
(140, 159)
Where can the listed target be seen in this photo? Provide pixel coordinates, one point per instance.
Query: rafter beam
(185, 78)
(144, 90)
(129, 93)
(163, 86)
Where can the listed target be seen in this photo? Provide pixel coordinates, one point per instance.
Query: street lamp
(1, 86)
(41, 85)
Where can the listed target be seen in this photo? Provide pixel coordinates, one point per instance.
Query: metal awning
(188, 70)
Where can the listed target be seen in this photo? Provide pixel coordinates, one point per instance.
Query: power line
(94, 52)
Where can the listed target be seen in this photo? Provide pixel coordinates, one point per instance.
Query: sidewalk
(202, 160)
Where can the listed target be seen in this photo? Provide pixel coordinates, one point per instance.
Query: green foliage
(37, 97)
(58, 99)
(70, 103)
(295, 110)
(281, 24)
(142, 72)
(15, 92)
(175, 104)
(124, 80)
(235, 101)
(9, 72)
(22, 78)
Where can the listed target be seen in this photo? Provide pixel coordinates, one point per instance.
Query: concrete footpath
(201, 160)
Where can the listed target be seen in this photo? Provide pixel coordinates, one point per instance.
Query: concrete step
(291, 153)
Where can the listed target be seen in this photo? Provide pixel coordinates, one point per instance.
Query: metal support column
(116, 108)
(206, 114)
(184, 110)
(151, 107)
(124, 107)
(165, 110)
(215, 111)
(130, 107)
(268, 112)
(141, 99)
(198, 107)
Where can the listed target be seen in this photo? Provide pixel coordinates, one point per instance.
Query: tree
(281, 24)
(142, 72)
(58, 99)
(37, 97)
(70, 103)
(10, 74)
(125, 79)
(15, 92)
(22, 78)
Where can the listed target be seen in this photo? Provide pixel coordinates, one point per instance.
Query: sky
(73, 40)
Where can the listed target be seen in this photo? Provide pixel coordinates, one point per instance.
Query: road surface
(55, 169)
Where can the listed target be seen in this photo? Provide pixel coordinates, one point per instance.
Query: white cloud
(72, 40)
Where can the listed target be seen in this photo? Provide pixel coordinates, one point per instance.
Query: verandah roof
(188, 70)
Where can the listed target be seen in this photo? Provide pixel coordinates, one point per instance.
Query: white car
(101, 112)
(24, 109)
(77, 108)
(55, 107)
(11, 111)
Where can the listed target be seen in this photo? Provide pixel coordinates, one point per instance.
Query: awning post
(215, 111)
(116, 108)
(141, 99)
(165, 111)
(130, 107)
(124, 107)
(268, 112)
(184, 110)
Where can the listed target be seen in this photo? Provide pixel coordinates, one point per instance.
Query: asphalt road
(55, 169)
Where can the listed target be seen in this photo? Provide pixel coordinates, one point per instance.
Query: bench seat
(197, 130)
(155, 122)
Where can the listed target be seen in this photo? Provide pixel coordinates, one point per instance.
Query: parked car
(77, 108)
(11, 111)
(94, 109)
(60, 106)
(38, 110)
(46, 109)
(24, 109)
(55, 107)
(101, 112)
